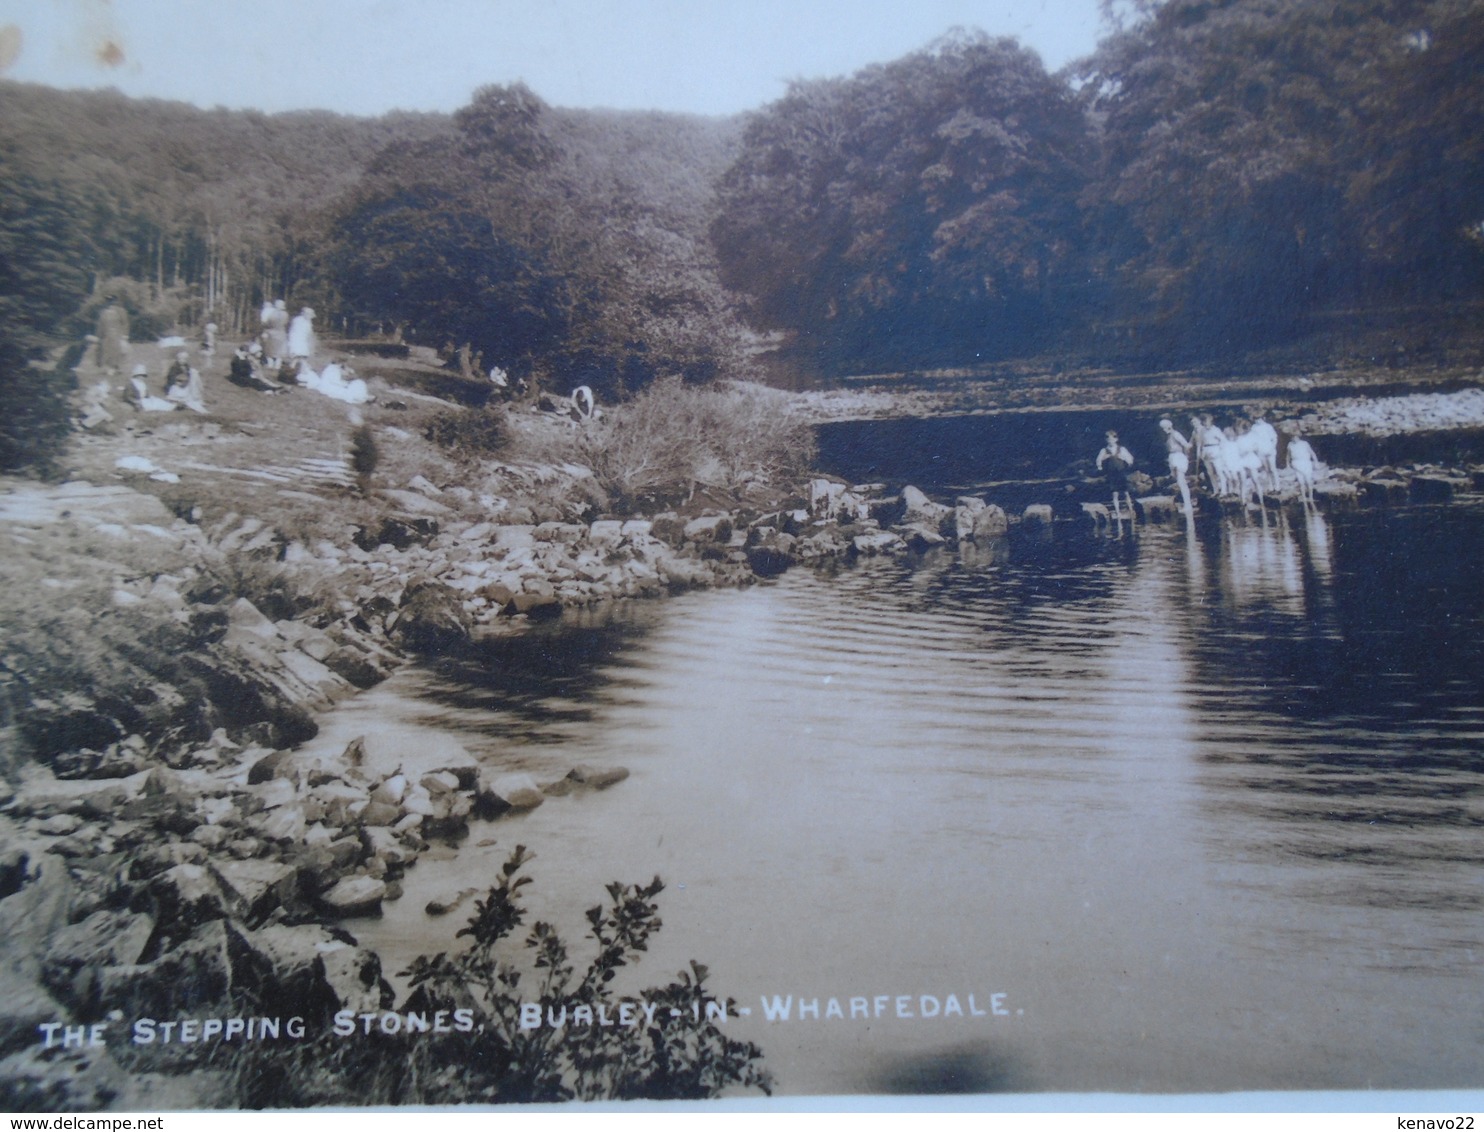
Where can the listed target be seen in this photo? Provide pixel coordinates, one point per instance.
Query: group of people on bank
(1238, 461)
(274, 362)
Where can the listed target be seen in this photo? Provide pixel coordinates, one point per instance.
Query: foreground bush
(675, 1051)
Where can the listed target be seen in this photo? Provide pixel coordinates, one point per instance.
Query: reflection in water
(1204, 803)
(1316, 532)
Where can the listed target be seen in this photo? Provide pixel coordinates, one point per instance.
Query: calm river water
(1204, 806)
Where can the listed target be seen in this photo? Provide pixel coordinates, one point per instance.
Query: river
(1201, 806)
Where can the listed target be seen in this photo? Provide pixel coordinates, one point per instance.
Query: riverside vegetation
(179, 608)
(186, 593)
(197, 589)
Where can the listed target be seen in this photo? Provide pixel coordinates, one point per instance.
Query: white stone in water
(519, 791)
(1037, 513)
(914, 498)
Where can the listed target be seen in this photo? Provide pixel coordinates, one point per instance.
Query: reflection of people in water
(1115, 462)
(1178, 449)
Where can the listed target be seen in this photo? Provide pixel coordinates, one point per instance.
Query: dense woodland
(1221, 175)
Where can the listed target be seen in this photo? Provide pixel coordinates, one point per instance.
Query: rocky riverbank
(180, 612)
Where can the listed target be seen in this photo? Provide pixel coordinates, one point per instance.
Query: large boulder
(1430, 489)
(308, 970)
(669, 528)
(356, 667)
(877, 542)
(29, 918)
(404, 531)
(254, 888)
(536, 606)
(195, 973)
(75, 955)
(771, 555)
(1037, 514)
(920, 537)
(597, 777)
(186, 896)
(433, 618)
(278, 764)
(251, 690)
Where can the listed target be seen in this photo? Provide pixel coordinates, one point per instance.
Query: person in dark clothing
(243, 372)
(1115, 462)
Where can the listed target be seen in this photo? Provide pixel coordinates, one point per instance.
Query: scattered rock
(599, 778)
(255, 888)
(443, 905)
(508, 792)
(1038, 514)
(354, 896)
(280, 764)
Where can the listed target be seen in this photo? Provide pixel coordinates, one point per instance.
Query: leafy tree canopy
(924, 205)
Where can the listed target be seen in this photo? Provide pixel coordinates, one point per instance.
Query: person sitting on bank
(339, 381)
(183, 384)
(243, 371)
(137, 393)
(1115, 462)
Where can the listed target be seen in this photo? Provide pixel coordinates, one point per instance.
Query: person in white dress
(183, 384)
(301, 334)
(334, 382)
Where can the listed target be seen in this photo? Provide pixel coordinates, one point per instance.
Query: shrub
(673, 438)
(35, 418)
(659, 447)
(481, 430)
(679, 1052)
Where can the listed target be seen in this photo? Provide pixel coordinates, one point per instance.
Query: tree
(1417, 183)
(547, 250)
(1262, 158)
(923, 208)
(424, 255)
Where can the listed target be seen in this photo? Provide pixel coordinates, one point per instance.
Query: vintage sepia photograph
(640, 551)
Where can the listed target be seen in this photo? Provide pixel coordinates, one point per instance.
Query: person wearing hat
(137, 393)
